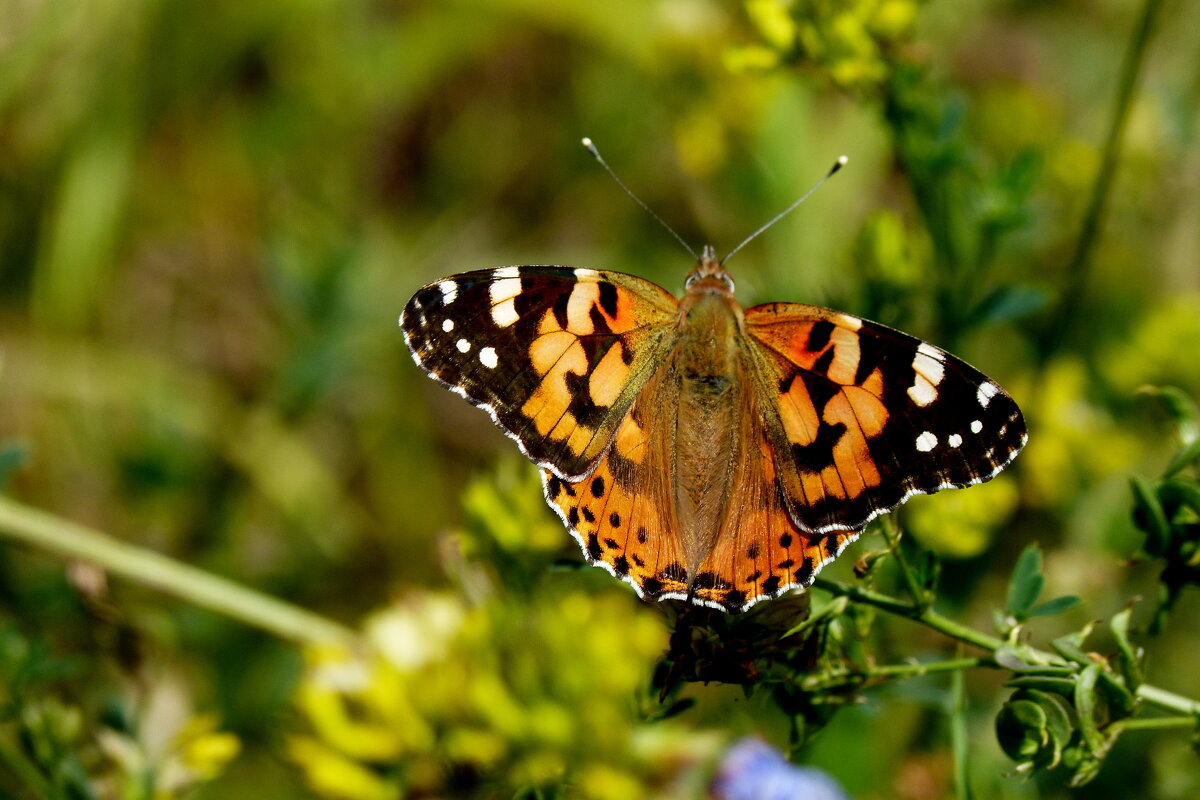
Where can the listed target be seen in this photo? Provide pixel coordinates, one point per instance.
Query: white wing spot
(986, 392)
(926, 442)
(463, 345)
(954, 440)
(976, 426)
(449, 291)
(925, 348)
(928, 367)
(447, 325)
(503, 295)
(505, 313)
(847, 321)
(507, 272)
(487, 357)
(584, 273)
(922, 391)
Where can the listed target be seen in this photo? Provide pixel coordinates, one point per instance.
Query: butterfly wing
(555, 355)
(863, 416)
(761, 551)
(623, 514)
(626, 518)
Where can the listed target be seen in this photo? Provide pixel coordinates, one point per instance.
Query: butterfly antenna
(841, 162)
(592, 149)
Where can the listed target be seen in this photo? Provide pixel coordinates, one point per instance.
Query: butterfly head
(708, 275)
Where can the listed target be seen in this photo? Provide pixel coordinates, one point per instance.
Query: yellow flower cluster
(482, 702)
(849, 41)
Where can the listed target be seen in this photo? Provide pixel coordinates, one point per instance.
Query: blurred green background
(212, 213)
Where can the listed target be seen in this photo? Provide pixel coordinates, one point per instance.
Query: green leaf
(1188, 454)
(1130, 660)
(1020, 729)
(1087, 708)
(1058, 724)
(1182, 409)
(1070, 646)
(1174, 494)
(1148, 516)
(1120, 700)
(1026, 582)
(1045, 683)
(1055, 606)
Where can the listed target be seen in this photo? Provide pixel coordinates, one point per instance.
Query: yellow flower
(963, 524)
(332, 775)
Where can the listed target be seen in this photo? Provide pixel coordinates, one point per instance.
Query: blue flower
(753, 770)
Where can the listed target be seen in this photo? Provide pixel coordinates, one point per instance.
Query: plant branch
(927, 616)
(842, 675)
(1151, 695)
(892, 535)
(1151, 723)
(67, 539)
(1089, 232)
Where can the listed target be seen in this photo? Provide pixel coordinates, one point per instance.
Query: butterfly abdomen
(706, 371)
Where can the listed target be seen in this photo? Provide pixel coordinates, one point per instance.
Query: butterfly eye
(695, 276)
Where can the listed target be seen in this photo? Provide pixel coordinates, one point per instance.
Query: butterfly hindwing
(622, 513)
(625, 513)
(868, 416)
(556, 355)
(761, 550)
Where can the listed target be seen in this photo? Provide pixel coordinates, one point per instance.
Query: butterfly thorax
(706, 370)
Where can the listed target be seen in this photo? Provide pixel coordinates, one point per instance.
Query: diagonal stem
(1089, 232)
(67, 539)
(1151, 695)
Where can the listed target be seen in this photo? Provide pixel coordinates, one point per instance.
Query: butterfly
(696, 449)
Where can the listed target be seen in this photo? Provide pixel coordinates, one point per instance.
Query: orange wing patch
(830, 407)
(622, 517)
(761, 551)
(867, 416)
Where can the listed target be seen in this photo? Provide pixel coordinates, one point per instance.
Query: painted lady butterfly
(699, 450)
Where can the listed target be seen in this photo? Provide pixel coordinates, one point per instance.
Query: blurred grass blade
(64, 538)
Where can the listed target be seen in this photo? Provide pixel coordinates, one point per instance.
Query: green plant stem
(1151, 723)
(892, 535)
(1168, 701)
(960, 740)
(64, 538)
(838, 676)
(926, 616)
(1152, 695)
(1089, 232)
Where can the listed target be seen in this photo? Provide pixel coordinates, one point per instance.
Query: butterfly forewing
(868, 416)
(556, 355)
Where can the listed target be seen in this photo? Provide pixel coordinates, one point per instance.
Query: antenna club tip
(842, 160)
(587, 142)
